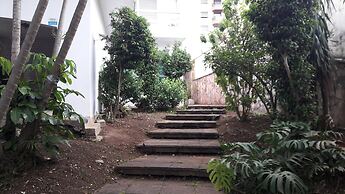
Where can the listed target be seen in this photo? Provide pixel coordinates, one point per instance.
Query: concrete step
(206, 106)
(186, 124)
(184, 134)
(156, 186)
(201, 111)
(194, 166)
(178, 146)
(197, 117)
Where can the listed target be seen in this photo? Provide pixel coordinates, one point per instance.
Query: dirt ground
(77, 171)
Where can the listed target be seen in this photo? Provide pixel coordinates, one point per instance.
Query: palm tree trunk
(19, 63)
(326, 121)
(58, 37)
(54, 77)
(117, 105)
(16, 30)
(288, 72)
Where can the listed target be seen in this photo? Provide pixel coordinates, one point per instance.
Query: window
(204, 14)
(204, 1)
(204, 29)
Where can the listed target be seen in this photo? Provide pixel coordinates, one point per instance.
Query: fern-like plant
(283, 160)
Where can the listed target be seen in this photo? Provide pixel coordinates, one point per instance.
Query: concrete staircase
(182, 146)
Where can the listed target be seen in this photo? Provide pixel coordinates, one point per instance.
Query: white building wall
(98, 54)
(338, 29)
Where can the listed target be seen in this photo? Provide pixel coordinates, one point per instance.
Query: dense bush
(25, 114)
(284, 159)
(168, 94)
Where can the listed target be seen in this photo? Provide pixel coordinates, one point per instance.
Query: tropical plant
(24, 110)
(284, 159)
(18, 66)
(129, 44)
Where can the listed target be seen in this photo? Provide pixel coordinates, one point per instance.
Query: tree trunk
(16, 25)
(58, 37)
(288, 72)
(117, 105)
(19, 63)
(52, 80)
(326, 121)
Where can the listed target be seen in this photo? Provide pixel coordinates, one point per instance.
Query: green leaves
(283, 182)
(6, 66)
(220, 175)
(176, 64)
(19, 116)
(283, 160)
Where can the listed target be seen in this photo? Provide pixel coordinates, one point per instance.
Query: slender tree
(58, 37)
(52, 79)
(19, 63)
(129, 45)
(16, 30)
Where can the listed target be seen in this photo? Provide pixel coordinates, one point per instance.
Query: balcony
(216, 20)
(217, 7)
(163, 23)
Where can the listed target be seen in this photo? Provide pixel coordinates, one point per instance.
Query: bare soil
(77, 171)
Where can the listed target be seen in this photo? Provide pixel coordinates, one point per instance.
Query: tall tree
(19, 63)
(16, 25)
(58, 37)
(129, 44)
(52, 79)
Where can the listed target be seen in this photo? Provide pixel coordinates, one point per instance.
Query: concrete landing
(144, 186)
(184, 134)
(201, 111)
(194, 166)
(196, 117)
(178, 146)
(186, 124)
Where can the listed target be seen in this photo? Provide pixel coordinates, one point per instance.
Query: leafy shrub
(169, 93)
(284, 159)
(38, 128)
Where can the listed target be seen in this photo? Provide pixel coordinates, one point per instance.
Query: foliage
(25, 114)
(130, 42)
(131, 90)
(286, 27)
(239, 96)
(284, 159)
(168, 94)
(130, 45)
(175, 64)
(241, 62)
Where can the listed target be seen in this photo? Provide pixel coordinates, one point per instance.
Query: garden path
(180, 147)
